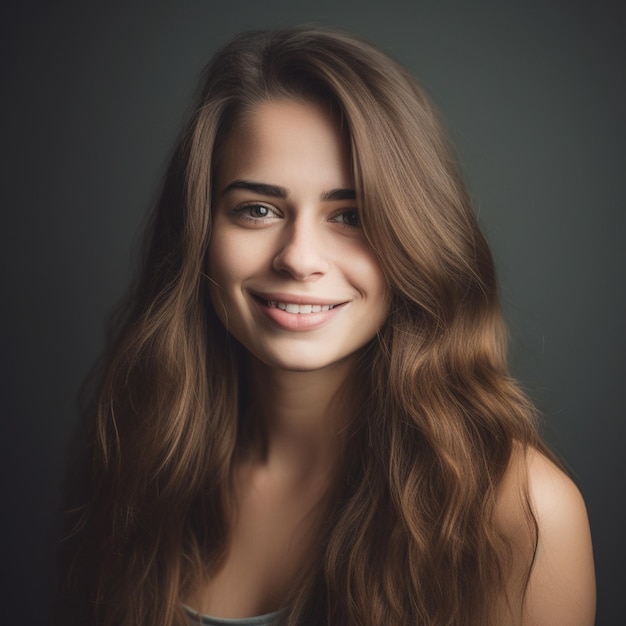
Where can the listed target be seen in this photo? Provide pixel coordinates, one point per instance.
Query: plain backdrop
(93, 96)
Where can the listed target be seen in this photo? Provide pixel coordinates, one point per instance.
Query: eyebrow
(275, 191)
(339, 194)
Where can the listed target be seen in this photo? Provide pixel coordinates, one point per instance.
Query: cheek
(379, 293)
(227, 258)
(370, 277)
(220, 271)
(232, 259)
(218, 260)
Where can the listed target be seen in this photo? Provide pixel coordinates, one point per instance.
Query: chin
(303, 360)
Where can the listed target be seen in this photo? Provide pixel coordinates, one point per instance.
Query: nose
(302, 253)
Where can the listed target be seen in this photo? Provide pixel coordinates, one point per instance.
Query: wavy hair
(410, 537)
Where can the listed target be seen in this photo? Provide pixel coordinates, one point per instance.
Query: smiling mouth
(299, 309)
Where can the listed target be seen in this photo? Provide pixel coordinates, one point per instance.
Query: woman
(305, 416)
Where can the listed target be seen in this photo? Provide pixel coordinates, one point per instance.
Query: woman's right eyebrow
(273, 191)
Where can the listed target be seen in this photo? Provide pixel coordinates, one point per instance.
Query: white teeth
(300, 309)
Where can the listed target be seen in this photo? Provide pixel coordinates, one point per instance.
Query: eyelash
(243, 212)
(347, 224)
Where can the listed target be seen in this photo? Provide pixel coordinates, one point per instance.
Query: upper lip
(289, 298)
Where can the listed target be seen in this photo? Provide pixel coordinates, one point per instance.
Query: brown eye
(349, 218)
(255, 212)
(258, 210)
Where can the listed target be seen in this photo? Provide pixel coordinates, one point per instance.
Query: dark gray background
(535, 98)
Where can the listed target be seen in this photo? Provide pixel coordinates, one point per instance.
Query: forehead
(280, 141)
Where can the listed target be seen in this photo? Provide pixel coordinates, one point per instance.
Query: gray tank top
(269, 619)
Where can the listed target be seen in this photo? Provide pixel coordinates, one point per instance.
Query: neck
(302, 416)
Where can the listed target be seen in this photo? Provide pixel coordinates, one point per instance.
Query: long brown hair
(411, 536)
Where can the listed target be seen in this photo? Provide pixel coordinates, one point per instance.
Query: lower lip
(297, 321)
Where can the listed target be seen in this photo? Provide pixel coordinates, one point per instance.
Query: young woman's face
(293, 277)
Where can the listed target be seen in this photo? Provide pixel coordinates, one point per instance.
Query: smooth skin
(286, 229)
(561, 589)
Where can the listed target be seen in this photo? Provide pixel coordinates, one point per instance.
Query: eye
(255, 212)
(349, 218)
(258, 210)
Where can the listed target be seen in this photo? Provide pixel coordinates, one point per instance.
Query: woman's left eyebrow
(339, 194)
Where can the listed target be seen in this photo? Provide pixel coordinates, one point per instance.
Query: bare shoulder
(561, 587)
